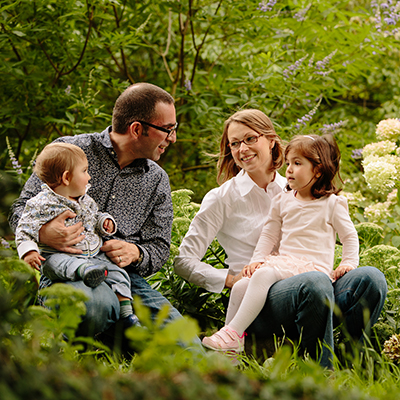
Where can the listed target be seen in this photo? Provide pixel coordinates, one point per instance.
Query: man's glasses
(248, 141)
(162, 129)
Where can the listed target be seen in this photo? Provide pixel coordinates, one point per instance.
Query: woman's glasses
(248, 141)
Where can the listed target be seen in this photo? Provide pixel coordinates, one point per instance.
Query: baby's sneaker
(130, 320)
(226, 339)
(93, 275)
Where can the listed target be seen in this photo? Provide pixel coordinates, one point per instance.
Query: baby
(63, 168)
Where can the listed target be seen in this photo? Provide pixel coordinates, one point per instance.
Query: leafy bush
(369, 234)
(379, 256)
(206, 307)
(34, 367)
(37, 363)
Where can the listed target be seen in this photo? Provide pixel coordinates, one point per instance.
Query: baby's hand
(248, 270)
(34, 259)
(108, 225)
(340, 271)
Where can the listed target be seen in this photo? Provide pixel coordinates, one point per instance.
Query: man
(127, 183)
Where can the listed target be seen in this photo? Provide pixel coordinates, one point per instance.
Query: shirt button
(113, 196)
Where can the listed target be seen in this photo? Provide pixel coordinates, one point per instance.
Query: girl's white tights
(248, 297)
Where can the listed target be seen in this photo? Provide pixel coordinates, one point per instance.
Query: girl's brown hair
(55, 159)
(324, 154)
(258, 122)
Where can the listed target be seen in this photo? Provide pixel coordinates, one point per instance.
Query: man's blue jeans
(302, 307)
(102, 308)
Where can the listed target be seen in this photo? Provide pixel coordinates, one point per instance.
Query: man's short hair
(55, 159)
(138, 103)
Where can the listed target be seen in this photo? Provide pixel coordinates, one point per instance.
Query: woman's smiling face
(255, 158)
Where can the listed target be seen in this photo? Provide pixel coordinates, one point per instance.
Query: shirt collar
(246, 184)
(105, 138)
(46, 188)
(279, 181)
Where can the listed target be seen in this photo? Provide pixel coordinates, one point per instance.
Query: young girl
(305, 219)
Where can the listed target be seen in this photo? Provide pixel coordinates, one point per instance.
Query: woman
(300, 306)
(251, 152)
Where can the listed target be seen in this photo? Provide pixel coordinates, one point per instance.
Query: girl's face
(254, 158)
(78, 180)
(300, 174)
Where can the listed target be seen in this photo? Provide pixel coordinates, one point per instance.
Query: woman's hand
(246, 272)
(232, 279)
(340, 271)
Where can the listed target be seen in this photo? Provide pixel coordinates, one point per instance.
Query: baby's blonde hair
(55, 159)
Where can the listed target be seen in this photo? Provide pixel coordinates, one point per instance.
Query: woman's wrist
(230, 281)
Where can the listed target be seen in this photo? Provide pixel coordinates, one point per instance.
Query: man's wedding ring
(120, 259)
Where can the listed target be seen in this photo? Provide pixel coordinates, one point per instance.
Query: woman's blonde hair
(55, 159)
(258, 122)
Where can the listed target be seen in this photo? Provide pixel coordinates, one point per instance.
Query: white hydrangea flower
(371, 158)
(376, 212)
(391, 159)
(388, 129)
(353, 197)
(379, 148)
(380, 174)
(392, 197)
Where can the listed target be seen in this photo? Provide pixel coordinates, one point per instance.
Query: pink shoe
(226, 339)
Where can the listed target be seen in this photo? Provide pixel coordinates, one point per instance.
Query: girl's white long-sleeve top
(235, 214)
(307, 229)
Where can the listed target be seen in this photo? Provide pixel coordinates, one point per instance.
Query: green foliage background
(64, 64)
(306, 64)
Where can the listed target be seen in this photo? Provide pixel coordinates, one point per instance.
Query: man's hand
(340, 271)
(60, 237)
(34, 259)
(120, 252)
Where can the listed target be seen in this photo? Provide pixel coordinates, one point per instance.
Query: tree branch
(49, 58)
(125, 66)
(84, 46)
(198, 49)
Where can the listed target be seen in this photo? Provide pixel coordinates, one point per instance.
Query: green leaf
(19, 33)
(232, 100)
(396, 241)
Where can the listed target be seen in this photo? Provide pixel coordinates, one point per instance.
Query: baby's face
(79, 179)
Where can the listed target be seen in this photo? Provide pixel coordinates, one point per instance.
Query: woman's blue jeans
(303, 307)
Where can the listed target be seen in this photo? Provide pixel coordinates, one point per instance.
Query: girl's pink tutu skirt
(287, 266)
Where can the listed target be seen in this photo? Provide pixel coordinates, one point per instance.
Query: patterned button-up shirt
(137, 196)
(47, 205)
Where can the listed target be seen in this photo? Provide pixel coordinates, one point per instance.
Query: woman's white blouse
(235, 213)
